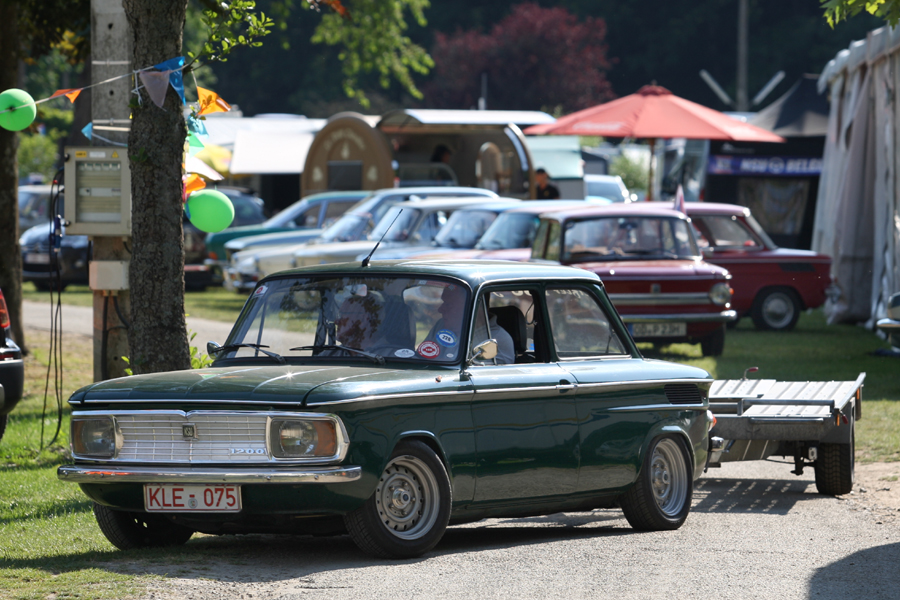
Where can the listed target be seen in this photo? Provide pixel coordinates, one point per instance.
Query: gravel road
(756, 531)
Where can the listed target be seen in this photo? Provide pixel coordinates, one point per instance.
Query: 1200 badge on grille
(247, 451)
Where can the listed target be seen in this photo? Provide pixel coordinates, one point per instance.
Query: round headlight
(94, 437)
(297, 438)
(720, 294)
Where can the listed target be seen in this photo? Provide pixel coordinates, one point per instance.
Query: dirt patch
(877, 491)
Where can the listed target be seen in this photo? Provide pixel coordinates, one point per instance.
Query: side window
(309, 217)
(540, 240)
(552, 252)
(480, 331)
(334, 210)
(580, 327)
(511, 321)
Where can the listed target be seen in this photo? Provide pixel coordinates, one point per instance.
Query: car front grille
(219, 437)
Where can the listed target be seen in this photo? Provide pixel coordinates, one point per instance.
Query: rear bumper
(237, 475)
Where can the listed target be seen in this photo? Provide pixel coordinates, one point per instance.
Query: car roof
(539, 207)
(435, 190)
(629, 209)
(473, 272)
(433, 204)
(715, 208)
(322, 196)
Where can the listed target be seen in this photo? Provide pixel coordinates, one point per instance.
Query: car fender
(674, 427)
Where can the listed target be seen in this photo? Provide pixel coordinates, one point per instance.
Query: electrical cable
(55, 357)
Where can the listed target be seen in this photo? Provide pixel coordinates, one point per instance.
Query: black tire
(714, 343)
(776, 309)
(46, 286)
(130, 530)
(386, 526)
(835, 467)
(660, 499)
(3, 419)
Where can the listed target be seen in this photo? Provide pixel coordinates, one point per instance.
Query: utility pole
(111, 42)
(741, 103)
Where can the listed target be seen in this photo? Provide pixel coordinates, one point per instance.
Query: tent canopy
(801, 112)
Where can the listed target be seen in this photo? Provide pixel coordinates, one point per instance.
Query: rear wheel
(835, 467)
(714, 343)
(660, 499)
(130, 530)
(776, 309)
(408, 513)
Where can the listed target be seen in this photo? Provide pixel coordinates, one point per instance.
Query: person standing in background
(545, 190)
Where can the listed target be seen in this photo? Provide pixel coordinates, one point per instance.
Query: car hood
(40, 233)
(292, 236)
(275, 384)
(656, 269)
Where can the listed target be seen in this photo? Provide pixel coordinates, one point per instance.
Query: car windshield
(464, 228)
(628, 238)
(396, 225)
(606, 189)
(248, 210)
(373, 318)
(510, 230)
(359, 220)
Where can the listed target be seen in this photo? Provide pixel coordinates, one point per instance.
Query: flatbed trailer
(811, 421)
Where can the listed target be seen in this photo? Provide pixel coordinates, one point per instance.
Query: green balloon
(210, 210)
(23, 112)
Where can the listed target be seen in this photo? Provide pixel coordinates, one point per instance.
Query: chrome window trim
(342, 442)
(106, 474)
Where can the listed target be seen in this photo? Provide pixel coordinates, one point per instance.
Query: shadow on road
(870, 574)
(769, 496)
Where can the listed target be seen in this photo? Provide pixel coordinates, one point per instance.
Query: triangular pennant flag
(196, 125)
(175, 79)
(71, 94)
(157, 84)
(194, 144)
(88, 130)
(192, 183)
(210, 102)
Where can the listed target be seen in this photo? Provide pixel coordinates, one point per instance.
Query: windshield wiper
(376, 358)
(258, 347)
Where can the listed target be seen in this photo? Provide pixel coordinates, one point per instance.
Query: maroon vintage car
(771, 284)
(648, 258)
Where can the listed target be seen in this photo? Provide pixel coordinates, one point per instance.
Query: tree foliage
(841, 10)
(534, 58)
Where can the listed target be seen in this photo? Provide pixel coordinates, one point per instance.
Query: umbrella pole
(649, 196)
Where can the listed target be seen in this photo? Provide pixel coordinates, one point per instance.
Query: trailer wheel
(835, 465)
(660, 499)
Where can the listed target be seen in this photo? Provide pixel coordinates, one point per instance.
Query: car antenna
(365, 262)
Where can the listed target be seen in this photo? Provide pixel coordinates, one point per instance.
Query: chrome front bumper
(720, 317)
(120, 474)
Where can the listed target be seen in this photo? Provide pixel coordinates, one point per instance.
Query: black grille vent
(792, 267)
(683, 393)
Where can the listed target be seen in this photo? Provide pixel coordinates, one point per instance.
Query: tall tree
(534, 58)
(28, 28)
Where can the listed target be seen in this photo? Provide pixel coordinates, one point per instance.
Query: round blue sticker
(445, 337)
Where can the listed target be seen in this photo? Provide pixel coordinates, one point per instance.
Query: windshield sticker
(261, 290)
(451, 355)
(404, 353)
(429, 349)
(446, 338)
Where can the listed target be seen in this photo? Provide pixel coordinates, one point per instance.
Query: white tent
(858, 208)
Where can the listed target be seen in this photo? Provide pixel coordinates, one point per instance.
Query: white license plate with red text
(192, 498)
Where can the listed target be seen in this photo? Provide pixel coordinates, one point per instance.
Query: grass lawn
(51, 547)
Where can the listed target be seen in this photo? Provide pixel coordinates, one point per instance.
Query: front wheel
(408, 513)
(130, 530)
(660, 499)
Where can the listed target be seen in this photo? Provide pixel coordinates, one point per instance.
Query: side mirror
(486, 350)
(213, 349)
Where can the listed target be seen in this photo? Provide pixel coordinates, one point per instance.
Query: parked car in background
(252, 244)
(610, 187)
(246, 268)
(12, 369)
(34, 206)
(375, 401)
(412, 224)
(461, 231)
(198, 273)
(311, 213)
(41, 266)
(648, 258)
(771, 284)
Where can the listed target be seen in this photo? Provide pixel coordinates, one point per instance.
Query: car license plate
(192, 498)
(37, 258)
(646, 330)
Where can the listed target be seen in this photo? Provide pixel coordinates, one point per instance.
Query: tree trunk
(10, 253)
(158, 335)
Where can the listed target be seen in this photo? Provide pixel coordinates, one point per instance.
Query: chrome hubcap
(778, 310)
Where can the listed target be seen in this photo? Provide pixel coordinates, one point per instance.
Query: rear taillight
(4, 314)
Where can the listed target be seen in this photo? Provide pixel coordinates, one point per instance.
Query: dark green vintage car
(391, 400)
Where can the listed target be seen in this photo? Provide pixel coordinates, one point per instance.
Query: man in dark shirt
(545, 190)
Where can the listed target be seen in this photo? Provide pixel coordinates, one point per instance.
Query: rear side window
(333, 210)
(580, 327)
(725, 232)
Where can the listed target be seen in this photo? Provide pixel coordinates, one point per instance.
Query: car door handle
(565, 385)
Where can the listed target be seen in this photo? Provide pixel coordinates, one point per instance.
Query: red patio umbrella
(655, 112)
